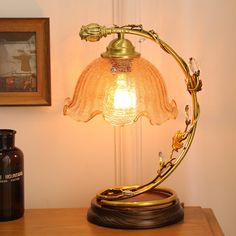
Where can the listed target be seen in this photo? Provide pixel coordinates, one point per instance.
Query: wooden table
(49, 222)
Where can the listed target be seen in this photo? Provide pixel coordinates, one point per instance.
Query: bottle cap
(7, 139)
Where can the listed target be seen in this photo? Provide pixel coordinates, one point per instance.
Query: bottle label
(6, 178)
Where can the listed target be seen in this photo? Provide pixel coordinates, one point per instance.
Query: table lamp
(123, 86)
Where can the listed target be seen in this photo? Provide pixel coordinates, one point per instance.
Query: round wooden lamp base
(141, 217)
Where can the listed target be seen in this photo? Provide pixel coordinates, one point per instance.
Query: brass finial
(92, 32)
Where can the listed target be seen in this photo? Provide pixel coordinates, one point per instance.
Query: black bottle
(11, 177)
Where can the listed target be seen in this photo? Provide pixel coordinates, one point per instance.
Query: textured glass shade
(121, 90)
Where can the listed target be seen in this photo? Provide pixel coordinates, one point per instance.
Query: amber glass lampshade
(121, 90)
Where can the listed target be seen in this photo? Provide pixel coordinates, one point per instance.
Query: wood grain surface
(49, 222)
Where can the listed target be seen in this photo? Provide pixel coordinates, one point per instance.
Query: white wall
(67, 162)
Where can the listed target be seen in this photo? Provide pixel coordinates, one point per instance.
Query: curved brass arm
(181, 140)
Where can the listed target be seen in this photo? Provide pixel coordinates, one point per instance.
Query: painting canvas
(18, 71)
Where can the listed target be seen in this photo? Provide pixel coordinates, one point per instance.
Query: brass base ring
(169, 197)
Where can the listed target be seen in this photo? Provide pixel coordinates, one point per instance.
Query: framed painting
(24, 62)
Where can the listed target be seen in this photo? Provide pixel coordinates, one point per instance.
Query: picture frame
(25, 62)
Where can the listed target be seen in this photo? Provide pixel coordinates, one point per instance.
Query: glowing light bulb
(120, 102)
(124, 98)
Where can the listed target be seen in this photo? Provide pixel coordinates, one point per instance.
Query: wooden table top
(49, 222)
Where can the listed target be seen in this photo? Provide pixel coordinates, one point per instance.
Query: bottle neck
(7, 139)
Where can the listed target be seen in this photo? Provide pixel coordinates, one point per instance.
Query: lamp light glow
(119, 106)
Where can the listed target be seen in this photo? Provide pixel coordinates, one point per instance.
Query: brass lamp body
(121, 48)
